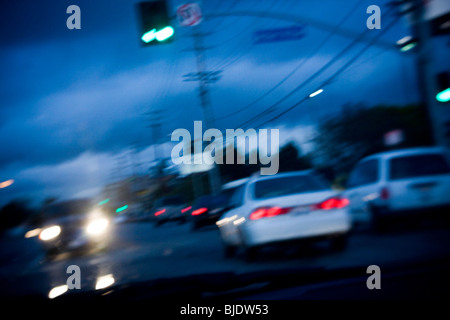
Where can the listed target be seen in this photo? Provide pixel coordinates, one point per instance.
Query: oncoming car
(288, 206)
(69, 227)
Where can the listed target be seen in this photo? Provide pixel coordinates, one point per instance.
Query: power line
(229, 59)
(337, 73)
(225, 64)
(330, 79)
(237, 34)
(301, 64)
(214, 29)
(312, 77)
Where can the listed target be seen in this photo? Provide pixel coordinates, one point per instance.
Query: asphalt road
(140, 251)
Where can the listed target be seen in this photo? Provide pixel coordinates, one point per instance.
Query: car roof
(235, 183)
(405, 152)
(282, 175)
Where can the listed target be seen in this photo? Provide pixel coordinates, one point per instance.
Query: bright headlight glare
(50, 233)
(33, 233)
(97, 226)
(57, 291)
(104, 282)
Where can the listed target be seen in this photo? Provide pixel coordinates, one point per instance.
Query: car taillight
(268, 212)
(157, 213)
(384, 193)
(199, 211)
(186, 209)
(332, 203)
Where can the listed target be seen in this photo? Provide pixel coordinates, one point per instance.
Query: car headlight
(50, 233)
(97, 226)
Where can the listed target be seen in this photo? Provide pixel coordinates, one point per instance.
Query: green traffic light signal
(125, 207)
(407, 43)
(103, 202)
(443, 96)
(149, 36)
(155, 26)
(164, 33)
(160, 35)
(443, 86)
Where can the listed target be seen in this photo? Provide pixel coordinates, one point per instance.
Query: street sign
(189, 14)
(393, 137)
(279, 34)
(437, 13)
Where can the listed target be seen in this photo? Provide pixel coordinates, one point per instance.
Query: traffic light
(155, 26)
(105, 201)
(406, 43)
(125, 207)
(447, 130)
(443, 84)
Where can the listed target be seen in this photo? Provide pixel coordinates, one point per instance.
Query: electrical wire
(272, 108)
(298, 67)
(336, 74)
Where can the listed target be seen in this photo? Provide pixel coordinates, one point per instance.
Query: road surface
(141, 251)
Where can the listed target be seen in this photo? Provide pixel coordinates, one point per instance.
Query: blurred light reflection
(104, 281)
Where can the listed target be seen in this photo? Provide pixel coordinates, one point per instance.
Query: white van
(399, 182)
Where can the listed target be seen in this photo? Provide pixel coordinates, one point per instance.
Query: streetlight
(6, 183)
(315, 93)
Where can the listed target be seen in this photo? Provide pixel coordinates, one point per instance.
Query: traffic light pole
(427, 78)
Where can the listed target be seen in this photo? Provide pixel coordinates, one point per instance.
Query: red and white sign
(189, 14)
(393, 137)
(433, 10)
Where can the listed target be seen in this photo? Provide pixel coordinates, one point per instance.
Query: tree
(14, 213)
(291, 159)
(235, 170)
(359, 132)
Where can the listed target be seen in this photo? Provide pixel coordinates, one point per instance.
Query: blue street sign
(279, 34)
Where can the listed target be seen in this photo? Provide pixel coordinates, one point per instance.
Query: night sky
(73, 102)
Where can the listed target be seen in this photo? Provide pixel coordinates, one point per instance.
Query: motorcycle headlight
(50, 233)
(97, 226)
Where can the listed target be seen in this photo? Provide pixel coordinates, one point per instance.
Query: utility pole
(155, 120)
(204, 78)
(121, 167)
(427, 78)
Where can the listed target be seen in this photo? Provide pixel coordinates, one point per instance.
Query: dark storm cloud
(29, 21)
(100, 114)
(67, 93)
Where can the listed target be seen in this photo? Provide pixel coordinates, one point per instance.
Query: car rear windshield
(211, 201)
(172, 201)
(418, 166)
(284, 186)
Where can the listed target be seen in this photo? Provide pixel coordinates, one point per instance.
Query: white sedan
(287, 206)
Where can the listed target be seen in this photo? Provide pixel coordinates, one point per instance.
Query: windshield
(418, 166)
(183, 150)
(278, 187)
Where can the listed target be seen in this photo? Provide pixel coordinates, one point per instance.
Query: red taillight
(199, 211)
(186, 209)
(267, 212)
(157, 213)
(384, 194)
(332, 203)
